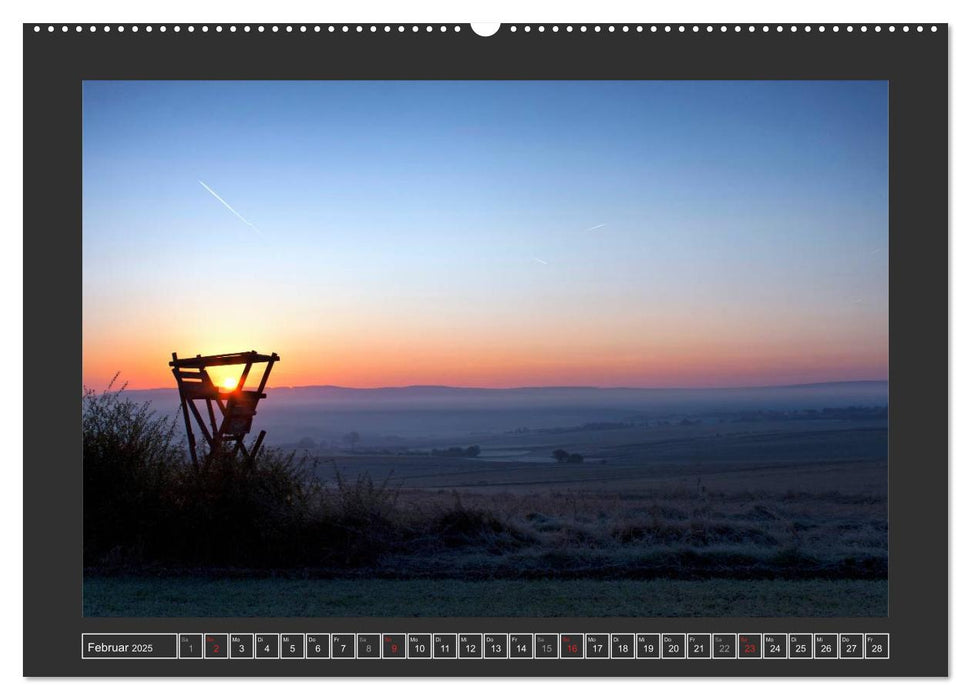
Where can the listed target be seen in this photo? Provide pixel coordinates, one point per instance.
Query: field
(274, 597)
(769, 513)
(774, 498)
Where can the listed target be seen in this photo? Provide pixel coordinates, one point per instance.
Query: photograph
(485, 348)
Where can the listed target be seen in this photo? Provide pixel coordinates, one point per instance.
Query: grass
(280, 597)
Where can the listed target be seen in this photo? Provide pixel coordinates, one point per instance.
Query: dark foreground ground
(771, 515)
(677, 549)
(272, 597)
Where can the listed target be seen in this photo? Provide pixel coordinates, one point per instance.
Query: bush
(240, 512)
(131, 461)
(356, 525)
(460, 527)
(145, 502)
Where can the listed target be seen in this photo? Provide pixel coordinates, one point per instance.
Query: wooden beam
(243, 376)
(258, 444)
(233, 358)
(188, 424)
(202, 424)
(266, 374)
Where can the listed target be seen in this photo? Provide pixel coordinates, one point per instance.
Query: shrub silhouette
(357, 523)
(145, 502)
(131, 463)
(237, 512)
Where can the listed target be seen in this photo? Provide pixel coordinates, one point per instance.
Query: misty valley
(781, 484)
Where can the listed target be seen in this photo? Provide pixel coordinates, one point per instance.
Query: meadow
(204, 596)
(759, 514)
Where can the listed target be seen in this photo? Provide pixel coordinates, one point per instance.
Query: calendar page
(525, 349)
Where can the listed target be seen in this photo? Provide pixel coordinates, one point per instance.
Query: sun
(229, 383)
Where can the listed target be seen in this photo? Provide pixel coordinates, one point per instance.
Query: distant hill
(415, 412)
(817, 395)
(827, 394)
(831, 394)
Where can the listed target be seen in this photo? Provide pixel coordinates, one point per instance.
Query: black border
(916, 66)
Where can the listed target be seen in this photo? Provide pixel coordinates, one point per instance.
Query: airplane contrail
(541, 261)
(226, 204)
(594, 228)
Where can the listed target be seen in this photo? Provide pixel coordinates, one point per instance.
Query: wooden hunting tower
(235, 406)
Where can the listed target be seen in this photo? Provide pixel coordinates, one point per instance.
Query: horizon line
(556, 386)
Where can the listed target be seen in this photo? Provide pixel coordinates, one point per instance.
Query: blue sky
(473, 221)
